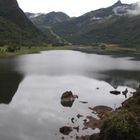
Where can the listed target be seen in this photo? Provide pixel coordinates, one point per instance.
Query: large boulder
(65, 130)
(67, 99)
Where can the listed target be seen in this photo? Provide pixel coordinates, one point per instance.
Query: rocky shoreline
(122, 123)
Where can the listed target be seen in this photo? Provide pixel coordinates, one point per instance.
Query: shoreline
(113, 50)
(32, 50)
(122, 123)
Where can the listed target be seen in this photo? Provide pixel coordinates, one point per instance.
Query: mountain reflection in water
(34, 110)
(9, 81)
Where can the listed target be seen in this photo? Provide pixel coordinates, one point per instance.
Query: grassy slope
(15, 27)
(35, 49)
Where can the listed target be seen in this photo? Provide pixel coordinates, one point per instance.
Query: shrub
(121, 125)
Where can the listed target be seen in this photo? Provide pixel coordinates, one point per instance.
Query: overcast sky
(71, 7)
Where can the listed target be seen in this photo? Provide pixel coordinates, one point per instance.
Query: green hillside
(45, 22)
(15, 27)
(106, 25)
(119, 30)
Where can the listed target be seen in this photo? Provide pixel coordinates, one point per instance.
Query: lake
(31, 87)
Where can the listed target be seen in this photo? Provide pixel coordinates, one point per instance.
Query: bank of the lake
(121, 124)
(105, 49)
(111, 49)
(32, 49)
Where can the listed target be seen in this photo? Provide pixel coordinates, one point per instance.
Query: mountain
(109, 25)
(45, 21)
(32, 15)
(117, 30)
(15, 27)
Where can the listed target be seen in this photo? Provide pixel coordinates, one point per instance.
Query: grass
(30, 50)
(96, 48)
(121, 125)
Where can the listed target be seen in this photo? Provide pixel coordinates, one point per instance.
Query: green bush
(11, 49)
(121, 125)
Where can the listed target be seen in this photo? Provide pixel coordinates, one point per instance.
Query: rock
(82, 138)
(66, 130)
(125, 93)
(115, 92)
(92, 123)
(88, 137)
(75, 96)
(102, 111)
(79, 116)
(67, 103)
(67, 99)
(76, 128)
(85, 120)
(67, 94)
(72, 120)
(83, 102)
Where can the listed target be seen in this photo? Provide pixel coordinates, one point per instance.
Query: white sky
(70, 7)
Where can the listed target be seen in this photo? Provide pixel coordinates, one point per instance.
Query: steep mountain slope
(119, 30)
(110, 25)
(15, 27)
(45, 21)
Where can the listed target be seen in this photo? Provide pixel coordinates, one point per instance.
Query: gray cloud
(135, 10)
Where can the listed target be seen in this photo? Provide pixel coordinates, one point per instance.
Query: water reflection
(67, 103)
(36, 113)
(9, 81)
(101, 67)
(121, 78)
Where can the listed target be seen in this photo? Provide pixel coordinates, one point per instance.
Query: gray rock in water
(115, 92)
(67, 99)
(65, 130)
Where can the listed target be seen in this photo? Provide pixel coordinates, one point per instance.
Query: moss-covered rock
(121, 125)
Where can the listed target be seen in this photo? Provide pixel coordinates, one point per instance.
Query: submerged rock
(72, 120)
(83, 102)
(76, 128)
(102, 111)
(67, 103)
(115, 92)
(67, 99)
(92, 123)
(125, 93)
(79, 116)
(66, 130)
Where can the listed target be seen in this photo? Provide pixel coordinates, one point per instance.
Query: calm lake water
(31, 87)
